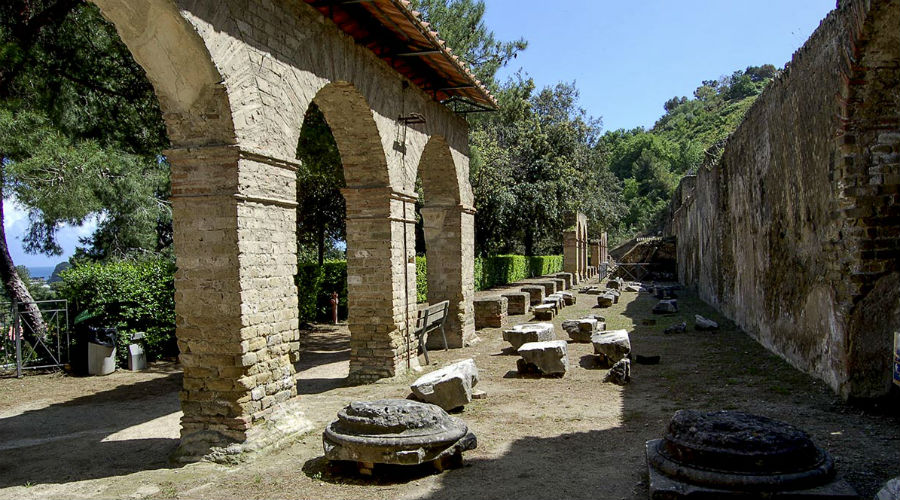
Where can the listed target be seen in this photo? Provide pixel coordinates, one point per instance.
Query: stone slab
(611, 345)
(490, 312)
(536, 292)
(517, 302)
(449, 387)
(580, 330)
(529, 332)
(544, 312)
(665, 488)
(549, 286)
(548, 358)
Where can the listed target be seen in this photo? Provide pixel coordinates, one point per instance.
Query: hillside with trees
(650, 163)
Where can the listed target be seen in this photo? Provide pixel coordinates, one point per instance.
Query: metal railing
(25, 346)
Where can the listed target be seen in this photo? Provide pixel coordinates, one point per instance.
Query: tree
(461, 24)
(80, 133)
(321, 207)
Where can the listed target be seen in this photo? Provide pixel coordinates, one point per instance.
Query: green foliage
(649, 164)
(533, 165)
(321, 207)
(540, 265)
(421, 280)
(461, 24)
(133, 296)
(80, 130)
(503, 269)
(315, 284)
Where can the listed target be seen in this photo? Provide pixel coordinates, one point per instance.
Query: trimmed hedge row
(503, 269)
(316, 284)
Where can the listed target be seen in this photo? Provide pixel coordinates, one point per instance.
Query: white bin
(101, 359)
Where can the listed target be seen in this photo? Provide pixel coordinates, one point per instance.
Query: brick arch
(350, 118)
(449, 239)
(195, 103)
(441, 183)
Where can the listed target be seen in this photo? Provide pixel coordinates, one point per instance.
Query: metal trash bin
(102, 351)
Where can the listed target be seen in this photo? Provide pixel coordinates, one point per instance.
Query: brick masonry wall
(234, 80)
(794, 232)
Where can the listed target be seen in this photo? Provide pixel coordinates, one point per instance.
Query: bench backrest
(432, 316)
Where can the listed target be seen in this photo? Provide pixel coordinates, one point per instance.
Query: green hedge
(503, 269)
(314, 287)
(539, 265)
(133, 296)
(421, 280)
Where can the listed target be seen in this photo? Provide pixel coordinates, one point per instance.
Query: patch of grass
(168, 490)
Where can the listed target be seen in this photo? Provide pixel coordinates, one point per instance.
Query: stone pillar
(604, 250)
(583, 246)
(571, 257)
(381, 282)
(236, 311)
(595, 254)
(449, 238)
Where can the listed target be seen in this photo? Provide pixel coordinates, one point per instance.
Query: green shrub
(421, 280)
(132, 296)
(314, 287)
(539, 265)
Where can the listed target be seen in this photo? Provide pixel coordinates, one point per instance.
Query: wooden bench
(429, 319)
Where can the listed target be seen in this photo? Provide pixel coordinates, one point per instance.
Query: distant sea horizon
(41, 271)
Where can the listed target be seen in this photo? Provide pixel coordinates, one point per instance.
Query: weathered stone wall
(234, 79)
(794, 232)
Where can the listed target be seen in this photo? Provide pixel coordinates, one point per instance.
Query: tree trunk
(14, 286)
(529, 242)
(321, 242)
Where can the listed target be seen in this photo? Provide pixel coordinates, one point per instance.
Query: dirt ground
(571, 437)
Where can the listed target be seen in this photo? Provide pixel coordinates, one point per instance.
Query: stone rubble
(605, 300)
(529, 332)
(666, 307)
(611, 345)
(449, 387)
(547, 358)
(580, 330)
(544, 312)
(679, 328)
(704, 324)
(620, 373)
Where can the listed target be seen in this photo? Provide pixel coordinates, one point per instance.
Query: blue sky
(626, 57)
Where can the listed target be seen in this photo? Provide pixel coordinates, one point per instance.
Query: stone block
(556, 299)
(567, 277)
(544, 312)
(535, 292)
(560, 283)
(581, 330)
(490, 312)
(450, 387)
(568, 297)
(620, 373)
(549, 286)
(517, 302)
(548, 358)
(666, 307)
(611, 345)
(529, 332)
(704, 324)
(605, 299)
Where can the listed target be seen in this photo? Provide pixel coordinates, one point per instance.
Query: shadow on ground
(96, 436)
(323, 359)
